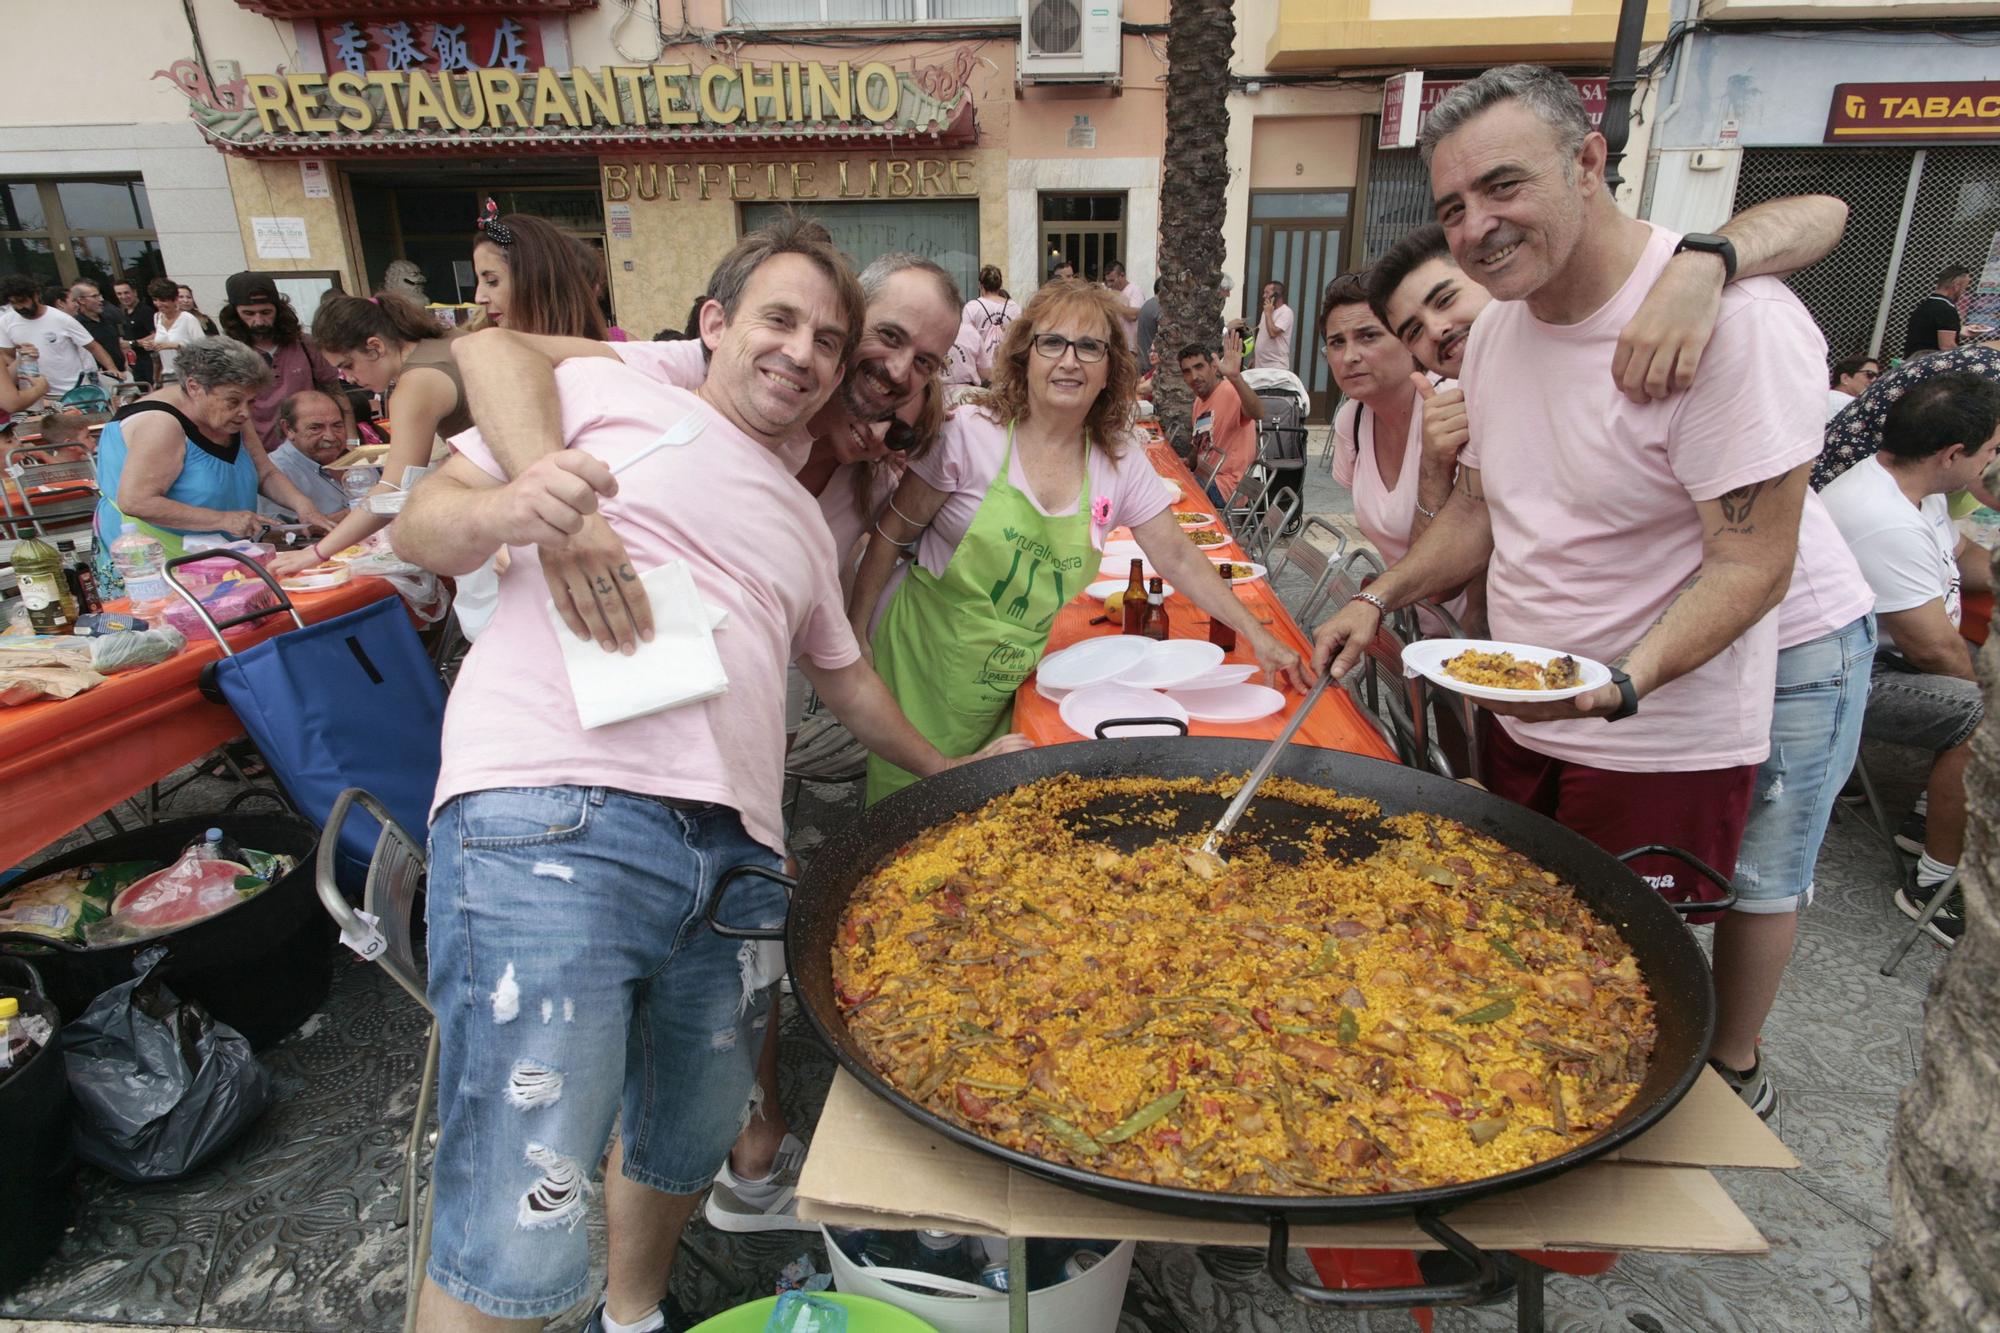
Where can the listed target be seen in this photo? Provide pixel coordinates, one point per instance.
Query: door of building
(1086, 229)
(1298, 237)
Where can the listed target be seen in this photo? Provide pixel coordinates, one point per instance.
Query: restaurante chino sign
(785, 92)
(1947, 112)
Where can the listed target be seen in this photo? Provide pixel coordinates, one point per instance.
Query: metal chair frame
(1246, 503)
(1316, 563)
(396, 871)
(1264, 535)
(27, 476)
(1430, 620)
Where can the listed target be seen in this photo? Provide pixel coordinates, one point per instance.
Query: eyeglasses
(1088, 350)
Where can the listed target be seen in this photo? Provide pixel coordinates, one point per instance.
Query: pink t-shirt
(1593, 497)
(1133, 299)
(1384, 515)
(849, 513)
(683, 363)
(754, 542)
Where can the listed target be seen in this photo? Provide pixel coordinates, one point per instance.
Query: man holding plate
(1652, 536)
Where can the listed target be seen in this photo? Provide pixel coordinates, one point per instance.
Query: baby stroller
(1281, 437)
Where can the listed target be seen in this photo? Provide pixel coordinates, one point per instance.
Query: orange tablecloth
(1975, 613)
(67, 761)
(1335, 724)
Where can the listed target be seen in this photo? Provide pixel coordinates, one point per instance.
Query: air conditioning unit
(1069, 41)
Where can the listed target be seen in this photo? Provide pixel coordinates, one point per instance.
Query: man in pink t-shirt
(572, 867)
(1825, 632)
(1225, 414)
(1655, 537)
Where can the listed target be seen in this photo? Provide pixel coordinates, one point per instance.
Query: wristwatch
(1707, 243)
(1628, 697)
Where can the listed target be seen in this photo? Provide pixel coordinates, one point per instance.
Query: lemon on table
(1114, 605)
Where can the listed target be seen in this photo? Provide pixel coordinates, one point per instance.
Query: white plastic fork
(682, 432)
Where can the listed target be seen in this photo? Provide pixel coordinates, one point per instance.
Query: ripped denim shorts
(575, 979)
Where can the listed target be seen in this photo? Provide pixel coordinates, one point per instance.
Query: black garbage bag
(160, 1086)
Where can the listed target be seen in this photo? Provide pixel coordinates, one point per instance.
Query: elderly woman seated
(177, 464)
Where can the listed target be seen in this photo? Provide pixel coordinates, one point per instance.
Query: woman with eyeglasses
(1006, 519)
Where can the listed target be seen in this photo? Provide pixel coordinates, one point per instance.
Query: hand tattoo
(603, 585)
(625, 573)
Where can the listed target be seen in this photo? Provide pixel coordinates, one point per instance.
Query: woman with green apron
(1006, 518)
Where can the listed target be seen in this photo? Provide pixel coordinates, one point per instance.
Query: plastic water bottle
(357, 482)
(23, 1031)
(141, 562)
(215, 845)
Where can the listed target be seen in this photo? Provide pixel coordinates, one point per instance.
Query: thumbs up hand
(1446, 426)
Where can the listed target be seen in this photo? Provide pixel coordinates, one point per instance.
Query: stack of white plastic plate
(1084, 709)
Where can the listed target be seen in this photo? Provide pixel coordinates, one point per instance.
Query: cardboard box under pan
(870, 1166)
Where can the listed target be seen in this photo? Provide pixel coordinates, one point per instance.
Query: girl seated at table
(177, 464)
(1007, 518)
(377, 342)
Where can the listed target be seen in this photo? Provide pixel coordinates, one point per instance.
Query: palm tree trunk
(1940, 1270)
(1193, 187)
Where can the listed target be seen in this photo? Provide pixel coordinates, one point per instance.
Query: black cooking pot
(1674, 969)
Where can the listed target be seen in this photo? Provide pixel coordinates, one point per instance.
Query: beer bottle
(1154, 626)
(1133, 608)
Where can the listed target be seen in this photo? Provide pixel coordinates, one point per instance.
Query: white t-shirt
(753, 540)
(1837, 401)
(1593, 502)
(62, 344)
(1908, 553)
(184, 329)
(1274, 353)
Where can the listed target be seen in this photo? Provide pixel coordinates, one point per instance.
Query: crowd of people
(1565, 426)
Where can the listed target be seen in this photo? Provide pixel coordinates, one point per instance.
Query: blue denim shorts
(1815, 734)
(575, 979)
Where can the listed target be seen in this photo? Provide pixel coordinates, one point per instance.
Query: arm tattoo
(1470, 487)
(1737, 506)
(1625, 658)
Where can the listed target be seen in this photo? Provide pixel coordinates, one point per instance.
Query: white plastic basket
(1086, 1304)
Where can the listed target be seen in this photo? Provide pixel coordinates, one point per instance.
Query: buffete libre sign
(893, 178)
(1948, 112)
(786, 92)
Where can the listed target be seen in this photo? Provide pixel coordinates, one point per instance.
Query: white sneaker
(767, 1205)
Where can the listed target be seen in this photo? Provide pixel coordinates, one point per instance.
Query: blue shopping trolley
(350, 702)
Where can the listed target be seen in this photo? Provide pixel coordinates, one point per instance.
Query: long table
(64, 762)
(1336, 724)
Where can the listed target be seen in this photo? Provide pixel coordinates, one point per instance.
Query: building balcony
(1343, 34)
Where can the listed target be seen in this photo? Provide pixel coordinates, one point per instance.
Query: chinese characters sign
(459, 42)
(1947, 112)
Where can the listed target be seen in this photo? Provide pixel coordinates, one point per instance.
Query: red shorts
(1702, 811)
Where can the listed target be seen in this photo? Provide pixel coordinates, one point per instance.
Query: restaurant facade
(353, 142)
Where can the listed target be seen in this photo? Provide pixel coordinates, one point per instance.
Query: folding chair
(1429, 620)
(1351, 574)
(1396, 699)
(395, 874)
(1205, 481)
(1278, 515)
(824, 751)
(1314, 562)
(1245, 504)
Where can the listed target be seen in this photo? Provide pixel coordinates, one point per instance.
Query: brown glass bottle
(1133, 608)
(1154, 625)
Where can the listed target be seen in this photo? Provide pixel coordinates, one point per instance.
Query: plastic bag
(798, 1312)
(58, 906)
(160, 1086)
(135, 648)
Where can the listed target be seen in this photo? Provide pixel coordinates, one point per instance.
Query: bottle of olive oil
(44, 587)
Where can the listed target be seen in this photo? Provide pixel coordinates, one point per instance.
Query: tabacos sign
(1946, 112)
(785, 92)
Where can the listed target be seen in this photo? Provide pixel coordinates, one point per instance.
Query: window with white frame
(829, 13)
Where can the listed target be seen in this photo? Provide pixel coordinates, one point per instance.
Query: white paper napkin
(680, 666)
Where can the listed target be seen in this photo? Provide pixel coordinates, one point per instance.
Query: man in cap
(258, 314)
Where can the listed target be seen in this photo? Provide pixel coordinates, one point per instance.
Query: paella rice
(1437, 1011)
(1508, 672)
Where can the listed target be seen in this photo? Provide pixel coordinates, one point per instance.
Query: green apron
(954, 647)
